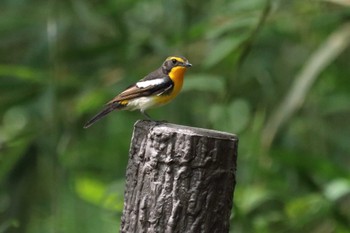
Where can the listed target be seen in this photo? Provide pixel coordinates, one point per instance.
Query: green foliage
(275, 72)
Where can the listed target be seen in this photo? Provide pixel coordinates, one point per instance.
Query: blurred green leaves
(17, 83)
(305, 209)
(204, 82)
(95, 192)
(22, 72)
(238, 111)
(222, 49)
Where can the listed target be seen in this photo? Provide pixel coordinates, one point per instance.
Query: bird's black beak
(187, 64)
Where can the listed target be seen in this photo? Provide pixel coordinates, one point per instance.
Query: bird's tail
(98, 116)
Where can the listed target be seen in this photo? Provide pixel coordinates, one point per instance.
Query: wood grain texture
(179, 179)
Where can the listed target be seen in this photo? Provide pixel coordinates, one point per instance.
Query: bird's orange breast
(177, 76)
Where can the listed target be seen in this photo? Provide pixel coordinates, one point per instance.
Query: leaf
(230, 25)
(11, 153)
(251, 198)
(22, 72)
(306, 208)
(90, 190)
(98, 193)
(14, 120)
(221, 49)
(337, 189)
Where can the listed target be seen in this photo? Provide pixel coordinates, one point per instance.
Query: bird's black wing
(152, 84)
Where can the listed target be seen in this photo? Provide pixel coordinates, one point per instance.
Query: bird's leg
(148, 117)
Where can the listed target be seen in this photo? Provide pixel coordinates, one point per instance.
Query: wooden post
(179, 179)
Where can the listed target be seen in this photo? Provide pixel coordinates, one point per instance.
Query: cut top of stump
(186, 130)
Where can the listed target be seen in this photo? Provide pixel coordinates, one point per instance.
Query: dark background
(276, 73)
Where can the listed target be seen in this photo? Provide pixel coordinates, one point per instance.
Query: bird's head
(175, 61)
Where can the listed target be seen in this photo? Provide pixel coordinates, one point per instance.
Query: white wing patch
(148, 83)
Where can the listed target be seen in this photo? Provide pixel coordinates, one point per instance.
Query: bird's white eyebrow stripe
(147, 83)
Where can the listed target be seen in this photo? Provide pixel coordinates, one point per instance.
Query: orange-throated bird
(155, 89)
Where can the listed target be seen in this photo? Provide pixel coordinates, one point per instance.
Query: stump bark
(179, 179)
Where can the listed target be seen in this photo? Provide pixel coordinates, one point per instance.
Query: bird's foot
(148, 117)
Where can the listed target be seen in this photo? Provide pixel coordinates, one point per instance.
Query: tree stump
(179, 179)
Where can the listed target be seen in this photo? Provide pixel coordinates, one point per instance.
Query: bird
(155, 89)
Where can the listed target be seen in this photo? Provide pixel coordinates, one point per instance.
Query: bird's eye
(174, 61)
